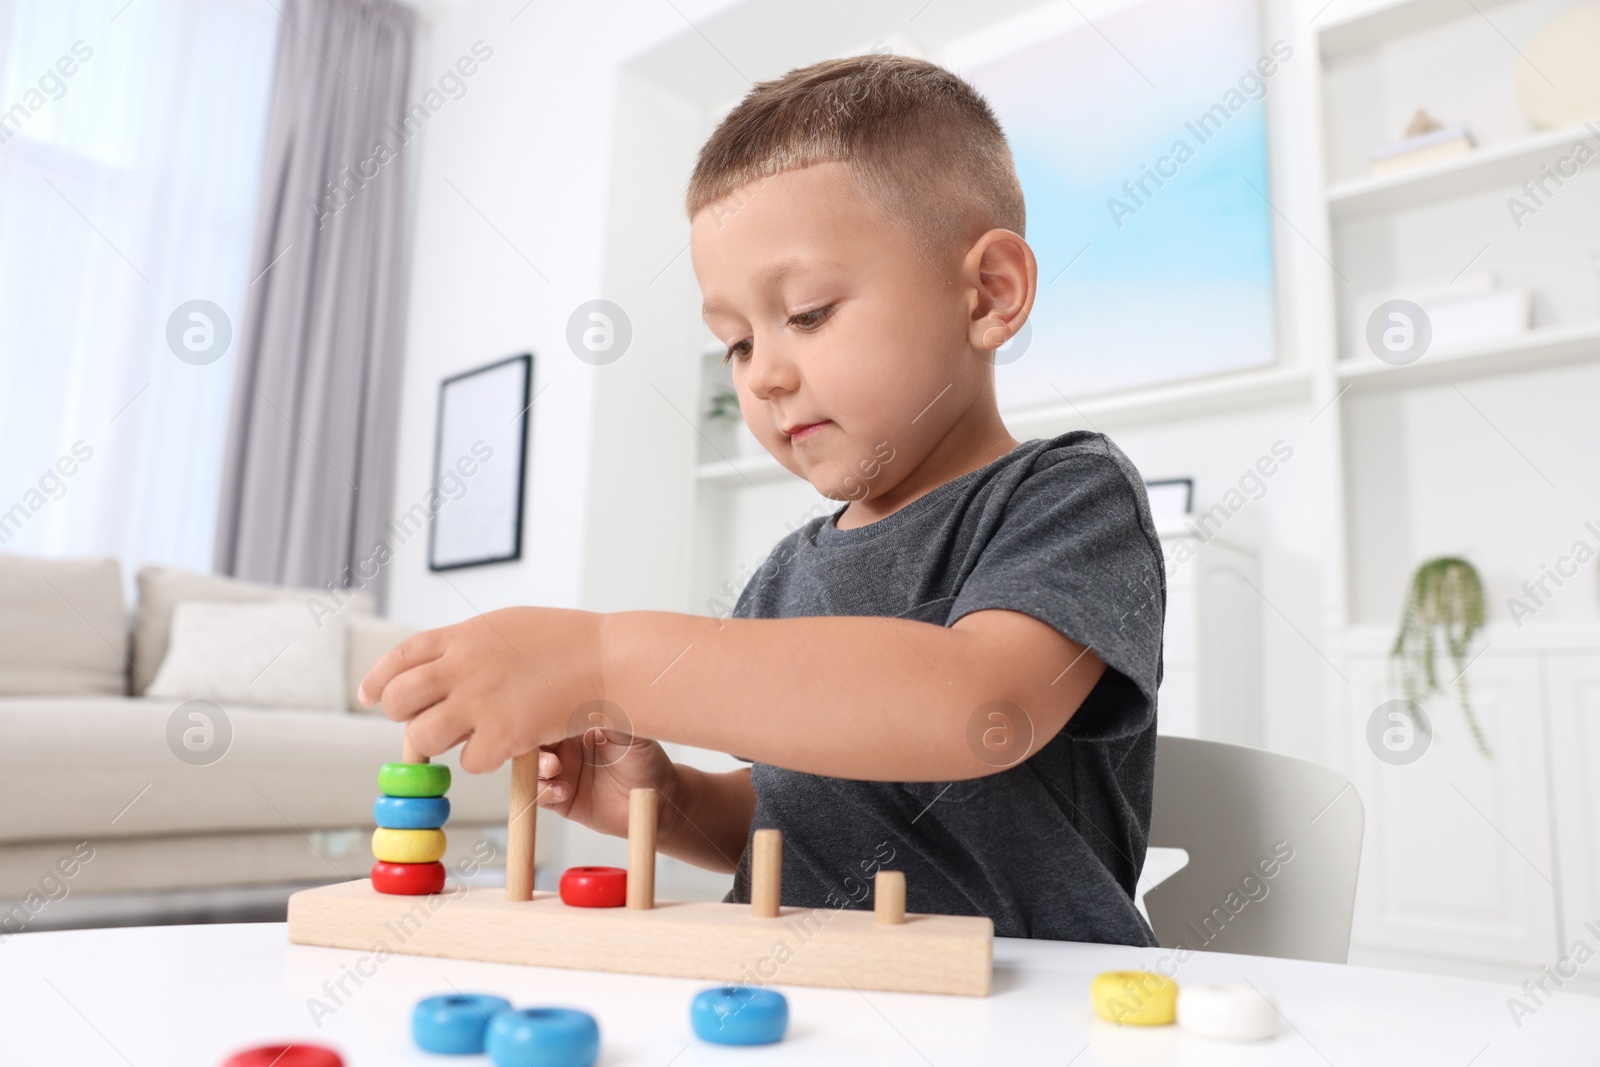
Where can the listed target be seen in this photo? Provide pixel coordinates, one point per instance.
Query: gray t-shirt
(1050, 848)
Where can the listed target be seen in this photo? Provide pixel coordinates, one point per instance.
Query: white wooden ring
(1227, 1011)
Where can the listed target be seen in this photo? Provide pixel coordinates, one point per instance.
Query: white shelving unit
(1489, 167)
(1549, 346)
(1379, 22)
(1462, 851)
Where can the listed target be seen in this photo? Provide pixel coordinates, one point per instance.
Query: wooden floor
(719, 942)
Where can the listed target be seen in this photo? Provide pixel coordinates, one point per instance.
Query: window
(1140, 138)
(131, 140)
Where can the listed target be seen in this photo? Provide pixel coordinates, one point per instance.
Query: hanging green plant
(724, 406)
(1444, 606)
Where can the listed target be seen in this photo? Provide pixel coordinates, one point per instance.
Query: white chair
(1274, 844)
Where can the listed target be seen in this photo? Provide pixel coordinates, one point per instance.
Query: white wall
(518, 171)
(645, 404)
(523, 191)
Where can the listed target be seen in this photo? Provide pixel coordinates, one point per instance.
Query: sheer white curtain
(131, 138)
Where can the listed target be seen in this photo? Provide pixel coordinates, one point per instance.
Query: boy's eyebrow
(774, 274)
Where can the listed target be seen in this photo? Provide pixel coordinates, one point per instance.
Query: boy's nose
(770, 372)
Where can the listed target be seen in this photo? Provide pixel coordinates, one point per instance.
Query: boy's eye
(805, 320)
(811, 319)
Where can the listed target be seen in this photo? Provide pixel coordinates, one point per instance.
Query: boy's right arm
(704, 817)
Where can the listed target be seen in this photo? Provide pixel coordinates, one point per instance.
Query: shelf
(753, 470)
(1164, 403)
(1183, 400)
(1342, 36)
(1552, 346)
(1506, 164)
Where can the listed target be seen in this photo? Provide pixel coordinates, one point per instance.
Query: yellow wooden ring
(1135, 998)
(407, 846)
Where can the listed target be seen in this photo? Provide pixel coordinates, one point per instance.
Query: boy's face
(849, 346)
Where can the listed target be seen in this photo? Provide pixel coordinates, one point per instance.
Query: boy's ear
(1003, 278)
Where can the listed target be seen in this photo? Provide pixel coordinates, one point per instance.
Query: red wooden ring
(407, 879)
(285, 1056)
(594, 887)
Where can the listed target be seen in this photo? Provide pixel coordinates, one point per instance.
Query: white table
(162, 996)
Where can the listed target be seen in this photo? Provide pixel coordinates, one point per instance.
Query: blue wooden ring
(739, 1015)
(411, 813)
(543, 1037)
(454, 1023)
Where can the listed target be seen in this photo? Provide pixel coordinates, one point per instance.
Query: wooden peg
(766, 873)
(521, 826)
(889, 898)
(408, 753)
(643, 804)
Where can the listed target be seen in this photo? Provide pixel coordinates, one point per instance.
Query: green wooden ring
(414, 779)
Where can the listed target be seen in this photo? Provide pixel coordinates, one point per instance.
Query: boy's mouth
(805, 429)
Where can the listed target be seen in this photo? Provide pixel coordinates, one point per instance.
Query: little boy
(953, 675)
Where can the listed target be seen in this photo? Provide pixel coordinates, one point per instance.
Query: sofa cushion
(367, 638)
(272, 653)
(161, 588)
(101, 767)
(63, 626)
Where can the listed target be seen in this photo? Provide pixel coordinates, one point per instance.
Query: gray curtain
(307, 481)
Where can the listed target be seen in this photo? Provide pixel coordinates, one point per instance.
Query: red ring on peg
(285, 1056)
(594, 887)
(407, 879)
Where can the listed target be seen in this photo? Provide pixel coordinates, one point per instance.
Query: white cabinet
(1496, 859)
(1211, 685)
(1572, 687)
(1457, 857)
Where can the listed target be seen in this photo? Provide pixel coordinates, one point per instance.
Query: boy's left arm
(868, 698)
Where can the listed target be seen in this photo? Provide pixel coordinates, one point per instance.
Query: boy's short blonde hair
(916, 138)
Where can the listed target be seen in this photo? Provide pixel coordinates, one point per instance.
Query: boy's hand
(504, 682)
(587, 778)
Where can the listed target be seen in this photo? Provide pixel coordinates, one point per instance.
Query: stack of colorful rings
(408, 842)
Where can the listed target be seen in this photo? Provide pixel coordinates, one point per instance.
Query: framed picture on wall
(478, 455)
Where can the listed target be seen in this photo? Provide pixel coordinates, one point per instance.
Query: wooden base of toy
(712, 941)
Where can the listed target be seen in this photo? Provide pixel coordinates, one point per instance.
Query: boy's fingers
(408, 695)
(597, 737)
(560, 760)
(416, 649)
(480, 755)
(440, 728)
(557, 774)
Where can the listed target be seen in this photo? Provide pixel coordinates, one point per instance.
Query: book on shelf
(1443, 143)
(1426, 140)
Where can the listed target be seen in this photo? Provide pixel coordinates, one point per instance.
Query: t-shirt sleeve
(1075, 548)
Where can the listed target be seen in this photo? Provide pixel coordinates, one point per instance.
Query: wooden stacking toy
(756, 943)
(455, 1024)
(739, 1015)
(408, 844)
(1134, 998)
(545, 1037)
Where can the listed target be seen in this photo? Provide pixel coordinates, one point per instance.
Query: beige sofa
(100, 799)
